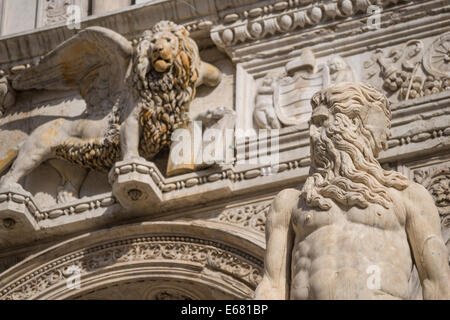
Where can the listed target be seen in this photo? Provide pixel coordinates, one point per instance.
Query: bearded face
(348, 128)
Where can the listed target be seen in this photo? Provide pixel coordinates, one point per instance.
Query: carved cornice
(278, 29)
(24, 201)
(208, 254)
(216, 16)
(281, 17)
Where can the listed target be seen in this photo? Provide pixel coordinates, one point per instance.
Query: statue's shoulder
(416, 195)
(287, 199)
(283, 205)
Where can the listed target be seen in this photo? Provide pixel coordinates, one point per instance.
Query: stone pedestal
(135, 185)
(17, 213)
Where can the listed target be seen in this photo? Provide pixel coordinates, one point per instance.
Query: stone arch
(164, 260)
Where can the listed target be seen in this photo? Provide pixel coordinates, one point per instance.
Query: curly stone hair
(344, 168)
(165, 97)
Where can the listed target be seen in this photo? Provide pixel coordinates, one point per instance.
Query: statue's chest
(306, 221)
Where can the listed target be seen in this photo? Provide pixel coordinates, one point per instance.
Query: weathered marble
(349, 233)
(272, 56)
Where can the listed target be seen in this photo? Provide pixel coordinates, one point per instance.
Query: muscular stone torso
(336, 251)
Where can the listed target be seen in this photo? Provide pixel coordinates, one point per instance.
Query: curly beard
(345, 170)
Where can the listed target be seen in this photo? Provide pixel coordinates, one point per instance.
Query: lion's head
(166, 69)
(167, 48)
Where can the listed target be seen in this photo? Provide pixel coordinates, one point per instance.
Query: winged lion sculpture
(136, 95)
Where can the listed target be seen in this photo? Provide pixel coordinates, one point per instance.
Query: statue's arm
(279, 240)
(428, 247)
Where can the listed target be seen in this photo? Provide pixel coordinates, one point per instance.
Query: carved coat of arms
(284, 98)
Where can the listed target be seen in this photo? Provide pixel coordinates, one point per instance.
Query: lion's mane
(165, 97)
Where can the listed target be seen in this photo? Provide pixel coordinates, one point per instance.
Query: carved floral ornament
(286, 16)
(204, 253)
(412, 70)
(252, 216)
(437, 182)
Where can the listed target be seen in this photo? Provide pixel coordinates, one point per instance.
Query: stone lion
(136, 96)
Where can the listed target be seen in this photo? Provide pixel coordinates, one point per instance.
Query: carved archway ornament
(169, 256)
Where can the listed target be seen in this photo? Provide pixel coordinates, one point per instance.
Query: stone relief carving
(284, 97)
(340, 71)
(437, 181)
(56, 11)
(208, 254)
(323, 241)
(264, 113)
(137, 94)
(251, 216)
(411, 71)
(437, 58)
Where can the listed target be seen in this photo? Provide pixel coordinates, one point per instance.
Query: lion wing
(94, 62)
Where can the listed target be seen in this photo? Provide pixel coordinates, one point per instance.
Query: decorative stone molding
(23, 203)
(18, 212)
(210, 15)
(283, 17)
(419, 137)
(206, 253)
(419, 125)
(436, 59)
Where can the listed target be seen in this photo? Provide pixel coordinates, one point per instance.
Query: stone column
(102, 6)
